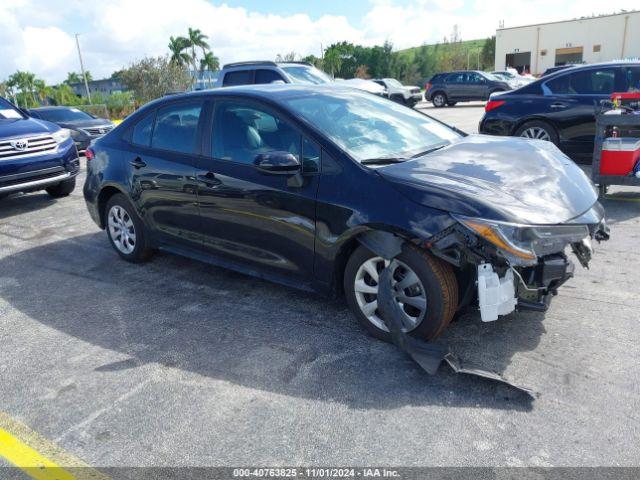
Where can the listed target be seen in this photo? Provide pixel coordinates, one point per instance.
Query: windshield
(64, 115)
(306, 74)
(393, 82)
(369, 127)
(8, 111)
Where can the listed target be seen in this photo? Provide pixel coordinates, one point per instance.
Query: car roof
(574, 68)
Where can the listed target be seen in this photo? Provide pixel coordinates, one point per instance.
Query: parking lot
(179, 363)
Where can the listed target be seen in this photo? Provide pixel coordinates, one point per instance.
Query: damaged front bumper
(517, 266)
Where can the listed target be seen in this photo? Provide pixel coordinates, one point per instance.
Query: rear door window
(176, 127)
(267, 76)
(586, 82)
(241, 77)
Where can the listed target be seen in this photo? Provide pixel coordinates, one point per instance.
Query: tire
(537, 129)
(451, 104)
(62, 189)
(439, 100)
(121, 220)
(435, 277)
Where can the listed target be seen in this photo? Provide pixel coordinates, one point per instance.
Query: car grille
(93, 131)
(21, 178)
(27, 146)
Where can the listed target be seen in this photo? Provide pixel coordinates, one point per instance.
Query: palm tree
(24, 81)
(209, 62)
(196, 39)
(72, 77)
(177, 45)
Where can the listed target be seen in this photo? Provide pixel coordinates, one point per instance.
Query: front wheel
(62, 189)
(425, 288)
(125, 230)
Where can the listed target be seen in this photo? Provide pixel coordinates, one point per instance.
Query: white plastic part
(496, 296)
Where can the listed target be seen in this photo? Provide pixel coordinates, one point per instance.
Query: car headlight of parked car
(61, 135)
(523, 244)
(76, 134)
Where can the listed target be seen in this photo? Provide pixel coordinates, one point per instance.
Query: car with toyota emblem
(35, 154)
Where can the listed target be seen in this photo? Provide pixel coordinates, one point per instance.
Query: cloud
(39, 34)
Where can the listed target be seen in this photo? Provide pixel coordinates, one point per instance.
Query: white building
(534, 48)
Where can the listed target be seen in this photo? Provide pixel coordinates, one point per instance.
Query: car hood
(25, 127)
(498, 178)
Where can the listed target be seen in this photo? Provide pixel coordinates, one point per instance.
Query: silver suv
(259, 72)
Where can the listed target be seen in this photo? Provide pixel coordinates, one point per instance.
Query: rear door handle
(137, 163)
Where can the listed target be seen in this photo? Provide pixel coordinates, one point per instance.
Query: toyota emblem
(20, 145)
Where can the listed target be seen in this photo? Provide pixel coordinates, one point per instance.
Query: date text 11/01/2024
(316, 472)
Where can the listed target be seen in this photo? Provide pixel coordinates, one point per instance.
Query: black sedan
(323, 187)
(561, 107)
(83, 127)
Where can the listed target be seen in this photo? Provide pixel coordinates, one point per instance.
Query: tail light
(89, 154)
(427, 86)
(491, 104)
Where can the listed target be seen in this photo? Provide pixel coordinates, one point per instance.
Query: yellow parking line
(623, 199)
(38, 457)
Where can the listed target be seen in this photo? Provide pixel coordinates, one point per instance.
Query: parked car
(365, 85)
(83, 126)
(561, 107)
(302, 184)
(264, 72)
(35, 155)
(406, 95)
(514, 80)
(450, 88)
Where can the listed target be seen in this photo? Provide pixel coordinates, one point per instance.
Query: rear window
(241, 77)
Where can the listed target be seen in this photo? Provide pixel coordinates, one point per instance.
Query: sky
(39, 35)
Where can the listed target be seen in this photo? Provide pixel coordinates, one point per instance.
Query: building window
(596, 48)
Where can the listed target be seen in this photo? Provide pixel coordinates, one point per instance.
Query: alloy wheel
(121, 229)
(536, 133)
(408, 292)
(438, 100)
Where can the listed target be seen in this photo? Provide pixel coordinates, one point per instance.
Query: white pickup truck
(397, 92)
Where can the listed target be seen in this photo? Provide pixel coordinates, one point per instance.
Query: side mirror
(277, 163)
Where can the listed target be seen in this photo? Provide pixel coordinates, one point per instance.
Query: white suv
(397, 92)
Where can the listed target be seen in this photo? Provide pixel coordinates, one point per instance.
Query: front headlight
(61, 135)
(523, 244)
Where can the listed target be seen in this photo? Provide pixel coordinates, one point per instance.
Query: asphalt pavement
(178, 363)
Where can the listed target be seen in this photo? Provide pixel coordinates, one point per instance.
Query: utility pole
(84, 75)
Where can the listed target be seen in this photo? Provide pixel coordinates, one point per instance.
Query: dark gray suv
(449, 88)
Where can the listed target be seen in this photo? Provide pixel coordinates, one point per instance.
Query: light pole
(84, 75)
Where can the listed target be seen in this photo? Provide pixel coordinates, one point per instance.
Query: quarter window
(243, 131)
(310, 156)
(241, 77)
(177, 127)
(142, 131)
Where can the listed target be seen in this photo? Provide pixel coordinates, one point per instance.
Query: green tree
(196, 39)
(177, 47)
(24, 83)
(73, 77)
(488, 53)
(153, 77)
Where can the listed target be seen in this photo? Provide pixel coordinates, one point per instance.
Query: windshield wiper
(383, 160)
(432, 149)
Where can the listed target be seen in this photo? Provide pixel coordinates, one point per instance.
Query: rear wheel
(125, 230)
(62, 189)
(439, 100)
(425, 289)
(538, 130)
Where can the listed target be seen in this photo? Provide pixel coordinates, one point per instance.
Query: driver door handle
(137, 163)
(559, 105)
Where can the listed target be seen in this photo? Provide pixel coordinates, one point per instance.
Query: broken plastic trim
(429, 355)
